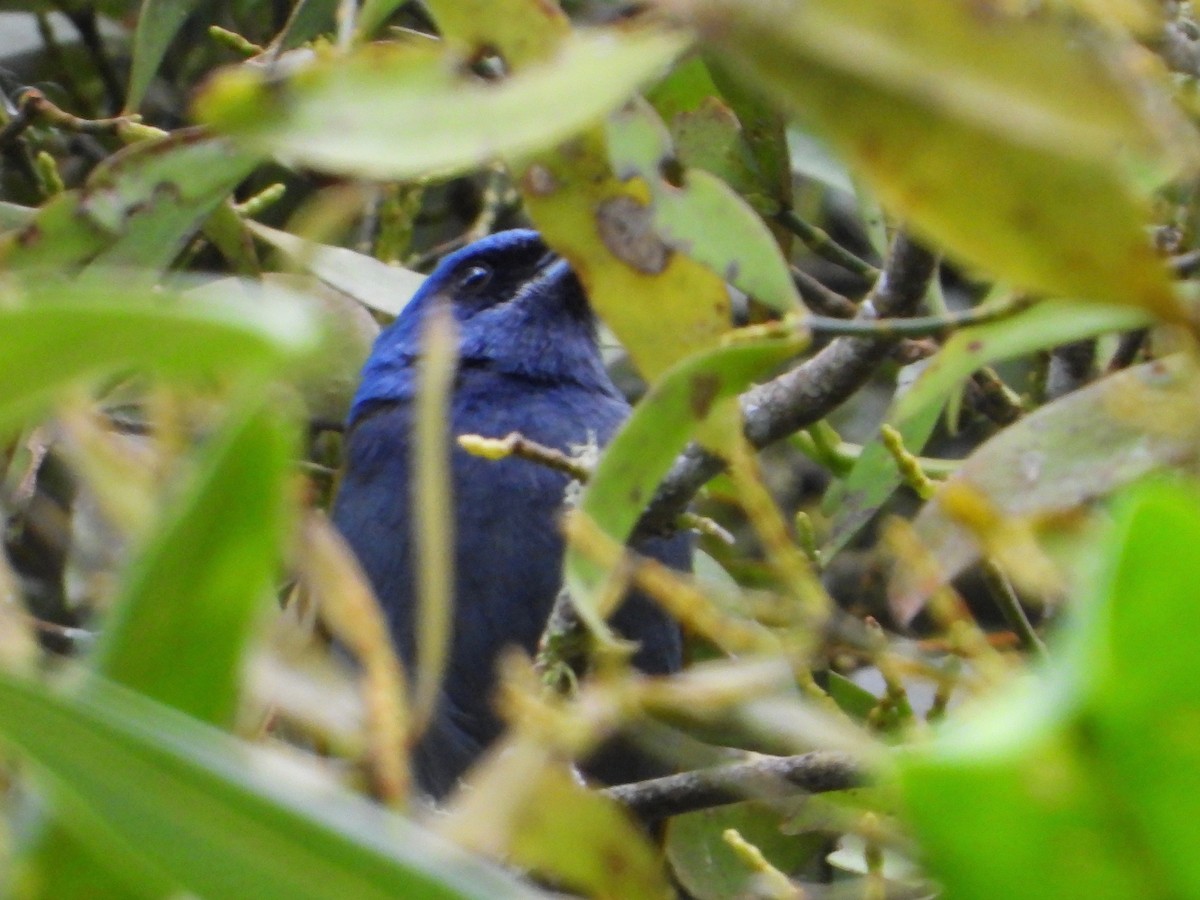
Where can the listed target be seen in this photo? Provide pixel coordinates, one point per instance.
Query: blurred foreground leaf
(521, 31)
(397, 111)
(710, 869)
(96, 326)
(1082, 782)
(585, 840)
(181, 623)
(964, 118)
(1137, 668)
(218, 816)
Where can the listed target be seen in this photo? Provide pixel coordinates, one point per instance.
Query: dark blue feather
(528, 363)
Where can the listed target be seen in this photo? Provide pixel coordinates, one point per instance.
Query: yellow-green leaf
(701, 215)
(520, 31)
(398, 111)
(634, 280)
(995, 136)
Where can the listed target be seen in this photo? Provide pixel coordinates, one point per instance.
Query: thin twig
(918, 326)
(42, 111)
(34, 108)
(821, 299)
(989, 395)
(84, 20)
(1128, 348)
(817, 772)
(516, 444)
(1010, 606)
(820, 243)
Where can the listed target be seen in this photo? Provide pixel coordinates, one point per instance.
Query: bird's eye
(474, 278)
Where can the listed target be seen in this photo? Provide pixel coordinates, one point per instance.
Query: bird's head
(519, 309)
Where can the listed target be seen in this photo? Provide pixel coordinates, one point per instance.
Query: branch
(820, 299)
(1072, 366)
(918, 326)
(817, 772)
(516, 444)
(1179, 47)
(820, 243)
(813, 389)
(33, 108)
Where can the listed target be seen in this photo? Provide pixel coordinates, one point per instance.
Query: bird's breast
(508, 547)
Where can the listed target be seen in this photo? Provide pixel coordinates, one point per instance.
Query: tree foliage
(904, 288)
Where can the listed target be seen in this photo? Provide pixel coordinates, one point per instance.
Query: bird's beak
(555, 280)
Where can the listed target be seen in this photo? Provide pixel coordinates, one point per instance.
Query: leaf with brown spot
(659, 316)
(413, 111)
(697, 213)
(520, 31)
(705, 388)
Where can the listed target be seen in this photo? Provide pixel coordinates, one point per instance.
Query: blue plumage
(528, 362)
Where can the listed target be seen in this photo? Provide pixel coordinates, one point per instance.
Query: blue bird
(528, 362)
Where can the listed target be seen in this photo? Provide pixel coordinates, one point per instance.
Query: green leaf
(702, 216)
(307, 20)
(181, 622)
(586, 841)
(222, 818)
(1137, 668)
(92, 327)
(1083, 782)
(158, 23)
(371, 282)
(180, 625)
(675, 408)
(851, 697)
(634, 281)
(137, 208)
(729, 132)
(373, 14)
(520, 31)
(398, 111)
(963, 119)
(403, 111)
(764, 129)
(709, 869)
(1005, 805)
(1068, 453)
(688, 86)
(915, 411)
